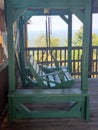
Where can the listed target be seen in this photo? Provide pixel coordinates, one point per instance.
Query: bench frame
(19, 111)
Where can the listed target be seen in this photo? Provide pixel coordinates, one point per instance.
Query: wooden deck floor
(62, 123)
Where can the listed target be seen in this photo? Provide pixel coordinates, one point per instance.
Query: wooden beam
(51, 12)
(64, 18)
(18, 13)
(78, 13)
(39, 12)
(69, 22)
(26, 18)
(59, 11)
(53, 4)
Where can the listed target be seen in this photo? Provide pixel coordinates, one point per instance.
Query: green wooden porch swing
(77, 99)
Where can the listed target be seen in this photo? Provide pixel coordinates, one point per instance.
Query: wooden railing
(48, 56)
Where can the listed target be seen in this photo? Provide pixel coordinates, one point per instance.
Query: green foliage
(78, 38)
(41, 41)
(54, 42)
(94, 39)
(66, 43)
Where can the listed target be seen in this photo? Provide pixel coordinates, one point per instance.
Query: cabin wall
(3, 86)
(2, 21)
(3, 62)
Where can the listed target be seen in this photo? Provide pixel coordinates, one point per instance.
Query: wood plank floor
(62, 123)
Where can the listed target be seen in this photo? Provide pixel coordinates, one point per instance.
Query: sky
(95, 21)
(38, 23)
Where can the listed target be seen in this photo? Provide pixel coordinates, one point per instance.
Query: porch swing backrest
(61, 78)
(34, 65)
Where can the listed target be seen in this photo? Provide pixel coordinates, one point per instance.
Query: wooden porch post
(69, 23)
(90, 50)
(86, 43)
(69, 41)
(11, 56)
(11, 53)
(22, 57)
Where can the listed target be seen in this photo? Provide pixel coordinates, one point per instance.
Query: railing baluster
(96, 61)
(51, 59)
(56, 54)
(60, 57)
(65, 57)
(74, 61)
(78, 62)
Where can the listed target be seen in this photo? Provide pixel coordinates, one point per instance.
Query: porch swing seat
(47, 77)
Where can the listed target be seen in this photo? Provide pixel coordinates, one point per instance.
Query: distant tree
(54, 42)
(66, 42)
(78, 38)
(94, 39)
(41, 41)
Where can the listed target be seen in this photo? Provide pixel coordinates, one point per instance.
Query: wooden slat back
(34, 64)
(51, 78)
(57, 78)
(68, 75)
